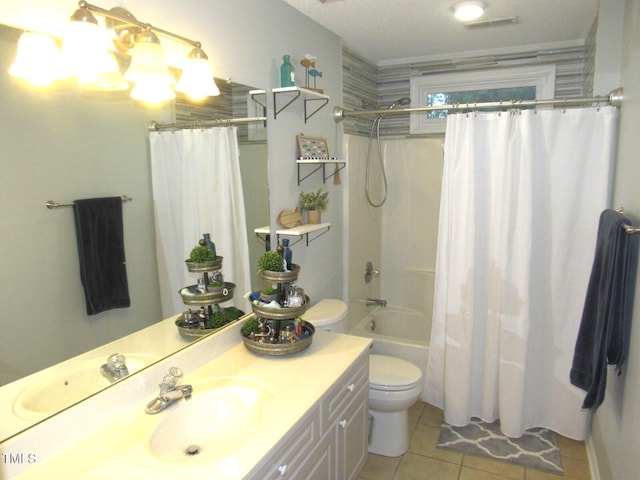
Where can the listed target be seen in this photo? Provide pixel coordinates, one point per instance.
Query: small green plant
(271, 261)
(269, 290)
(317, 200)
(250, 326)
(201, 254)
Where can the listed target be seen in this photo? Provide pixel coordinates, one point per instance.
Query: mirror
(64, 145)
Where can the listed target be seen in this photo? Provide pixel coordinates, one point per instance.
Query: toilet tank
(328, 314)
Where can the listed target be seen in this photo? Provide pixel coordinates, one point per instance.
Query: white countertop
(108, 451)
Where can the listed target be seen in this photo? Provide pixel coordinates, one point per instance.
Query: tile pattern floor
(425, 461)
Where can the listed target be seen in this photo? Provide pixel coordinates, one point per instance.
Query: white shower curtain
(521, 197)
(197, 189)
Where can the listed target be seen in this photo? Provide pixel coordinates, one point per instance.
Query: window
(523, 83)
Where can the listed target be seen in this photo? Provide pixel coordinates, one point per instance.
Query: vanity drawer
(293, 450)
(344, 390)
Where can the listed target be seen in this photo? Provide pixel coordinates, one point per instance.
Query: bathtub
(397, 332)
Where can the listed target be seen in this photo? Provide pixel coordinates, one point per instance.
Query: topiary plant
(201, 254)
(271, 261)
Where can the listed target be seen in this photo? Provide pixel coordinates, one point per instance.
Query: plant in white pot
(314, 203)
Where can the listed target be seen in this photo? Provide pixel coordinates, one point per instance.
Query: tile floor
(425, 461)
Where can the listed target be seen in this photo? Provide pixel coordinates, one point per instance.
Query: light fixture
(197, 77)
(87, 54)
(148, 62)
(469, 10)
(37, 60)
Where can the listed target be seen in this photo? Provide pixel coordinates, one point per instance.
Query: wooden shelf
(303, 231)
(291, 94)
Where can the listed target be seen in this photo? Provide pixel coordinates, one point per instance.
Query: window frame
(542, 77)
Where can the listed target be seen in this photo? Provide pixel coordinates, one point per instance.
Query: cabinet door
(321, 463)
(351, 436)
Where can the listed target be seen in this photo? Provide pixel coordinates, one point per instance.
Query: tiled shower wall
(366, 85)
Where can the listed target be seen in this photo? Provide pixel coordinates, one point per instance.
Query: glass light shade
(108, 79)
(197, 80)
(84, 50)
(37, 60)
(152, 92)
(468, 11)
(148, 65)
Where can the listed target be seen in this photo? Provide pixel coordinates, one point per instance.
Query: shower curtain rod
(614, 99)
(156, 127)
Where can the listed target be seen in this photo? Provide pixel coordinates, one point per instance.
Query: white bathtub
(399, 333)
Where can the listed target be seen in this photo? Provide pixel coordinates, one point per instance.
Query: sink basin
(62, 387)
(219, 417)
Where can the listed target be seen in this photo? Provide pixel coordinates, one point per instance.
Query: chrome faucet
(115, 368)
(375, 301)
(170, 392)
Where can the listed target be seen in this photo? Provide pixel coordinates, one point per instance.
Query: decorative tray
(281, 277)
(192, 295)
(266, 347)
(211, 266)
(284, 313)
(191, 331)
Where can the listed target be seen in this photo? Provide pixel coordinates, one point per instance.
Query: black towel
(103, 269)
(606, 319)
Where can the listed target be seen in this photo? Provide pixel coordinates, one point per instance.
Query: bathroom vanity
(250, 417)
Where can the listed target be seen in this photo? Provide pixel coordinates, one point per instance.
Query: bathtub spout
(375, 301)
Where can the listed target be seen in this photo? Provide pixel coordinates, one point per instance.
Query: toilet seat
(392, 374)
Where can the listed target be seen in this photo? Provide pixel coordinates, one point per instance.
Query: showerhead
(402, 102)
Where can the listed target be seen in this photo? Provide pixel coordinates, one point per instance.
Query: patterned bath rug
(537, 448)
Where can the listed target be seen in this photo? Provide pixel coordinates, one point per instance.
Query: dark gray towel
(606, 320)
(103, 269)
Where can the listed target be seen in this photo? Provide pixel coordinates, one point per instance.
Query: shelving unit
(303, 231)
(320, 164)
(291, 94)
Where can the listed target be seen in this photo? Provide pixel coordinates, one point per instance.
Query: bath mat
(537, 448)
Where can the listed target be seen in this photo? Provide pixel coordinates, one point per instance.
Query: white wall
(616, 432)
(410, 222)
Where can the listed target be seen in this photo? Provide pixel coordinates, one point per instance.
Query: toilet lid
(390, 373)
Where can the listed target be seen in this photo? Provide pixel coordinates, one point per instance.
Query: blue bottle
(287, 253)
(209, 243)
(287, 74)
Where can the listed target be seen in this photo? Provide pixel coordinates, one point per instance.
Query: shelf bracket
(318, 235)
(307, 115)
(275, 107)
(300, 179)
(326, 177)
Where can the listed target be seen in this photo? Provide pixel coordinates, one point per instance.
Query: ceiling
(387, 30)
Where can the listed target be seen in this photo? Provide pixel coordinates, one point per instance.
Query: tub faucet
(170, 392)
(115, 368)
(375, 301)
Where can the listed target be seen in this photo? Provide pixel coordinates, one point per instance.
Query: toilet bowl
(394, 386)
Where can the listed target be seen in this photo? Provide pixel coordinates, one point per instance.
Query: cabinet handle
(351, 387)
(342, 423)
(282, 469)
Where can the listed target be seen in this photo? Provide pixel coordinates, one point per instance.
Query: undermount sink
(222, 414)
(66, 386)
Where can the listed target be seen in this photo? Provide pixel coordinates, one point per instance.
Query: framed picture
(312, 147)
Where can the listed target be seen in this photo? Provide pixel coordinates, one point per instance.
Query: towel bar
(51, 204)
(631, 230)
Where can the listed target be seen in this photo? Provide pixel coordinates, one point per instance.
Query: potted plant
(271, 261)
(314, 203)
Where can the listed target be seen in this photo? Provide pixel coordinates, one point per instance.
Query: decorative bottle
(209, 243)
(287, 74)
(287, 253)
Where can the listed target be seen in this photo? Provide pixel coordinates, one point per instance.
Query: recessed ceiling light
(469, 10)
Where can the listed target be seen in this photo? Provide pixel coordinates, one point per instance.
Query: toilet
(394, 385)
(328, 314)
